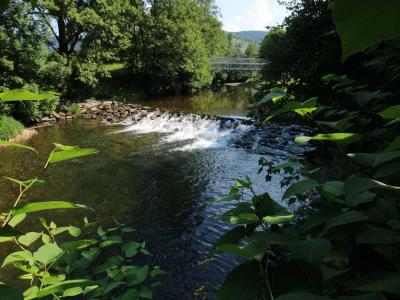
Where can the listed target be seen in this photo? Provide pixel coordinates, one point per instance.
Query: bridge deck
(236, 64)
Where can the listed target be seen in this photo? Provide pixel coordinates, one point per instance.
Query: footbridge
(236, 64)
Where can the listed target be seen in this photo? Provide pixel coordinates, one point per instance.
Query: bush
(74, 110)
(9, 127)
(33, 111)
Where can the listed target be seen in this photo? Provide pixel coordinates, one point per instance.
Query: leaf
(17, 256)
(5, 143)
(70, 153)
(242, 213)
(47, 253)
(334, 187)
(363, 25)
(392, 112)
(340, 125)
(301, 296)
(146, 293)
(348, 217)
(310, 250)
(9, 293)
(135, 274)
(380, 282)
(29, 238)
(354, 186)
(372, 159)
(25, 95)
(270, 211)
(376, 235)
(275, 95)
(15, 221)
(56, 288)
(364, 97)
(72, 292)
(77, 245)
(394, 145)
(130, 249)
(300, 187)
(340, 138)
(111, 241)
(242, 283)
(41, 206)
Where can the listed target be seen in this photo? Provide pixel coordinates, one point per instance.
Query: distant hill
(252, 36)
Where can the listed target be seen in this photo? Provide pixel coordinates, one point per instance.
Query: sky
(238, 15)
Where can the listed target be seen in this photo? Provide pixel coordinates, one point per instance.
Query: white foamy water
(199, 133)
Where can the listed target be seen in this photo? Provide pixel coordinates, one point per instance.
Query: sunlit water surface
(159, 175)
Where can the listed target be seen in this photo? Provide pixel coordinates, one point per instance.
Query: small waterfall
(198, 132)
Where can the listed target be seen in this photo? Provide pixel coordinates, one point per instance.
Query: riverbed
(159, 176)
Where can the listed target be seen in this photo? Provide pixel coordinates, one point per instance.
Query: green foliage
(9, 127)
(343, 239)
(74, 110)
(302, 49)
(361, 26)
(58, 263)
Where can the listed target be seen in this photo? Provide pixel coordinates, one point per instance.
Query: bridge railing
(236, 63)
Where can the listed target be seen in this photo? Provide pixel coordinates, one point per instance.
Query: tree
(304, 49)
(251, 50)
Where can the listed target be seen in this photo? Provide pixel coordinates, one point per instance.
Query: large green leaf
(340, 125)
(69, 152)
(333, 187)
(270, 211)
(300, 187)
(275, 95)
(242, 283)
(376, 235)
(392, 112)
(310, 250)
(374, 159)
(58, 287)
(135, 274)
(9, 293)
(17, 256)
(354, 186)
(233, 236)
(25, 95)
(47, 253)
(40, 206)
(242, 213)
(5, 143)
(394, 145)
(340, 138)
(364, 97)
(361, 24)
(29, 238)
(380, 282)
(348, 217)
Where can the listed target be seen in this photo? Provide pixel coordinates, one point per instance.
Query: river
(159, 176)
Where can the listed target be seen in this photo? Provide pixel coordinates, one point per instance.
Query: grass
(9, 128)
(74, 110)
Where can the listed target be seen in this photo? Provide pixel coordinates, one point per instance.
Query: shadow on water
(145, 175)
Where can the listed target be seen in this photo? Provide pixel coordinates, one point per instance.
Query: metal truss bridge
(236, 64)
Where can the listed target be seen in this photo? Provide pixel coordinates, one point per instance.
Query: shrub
(33, 111)
(9, 127)
(74, 110)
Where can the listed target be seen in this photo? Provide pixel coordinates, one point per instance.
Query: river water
(159, 176)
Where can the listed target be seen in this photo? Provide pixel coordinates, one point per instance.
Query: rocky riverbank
(109, 111)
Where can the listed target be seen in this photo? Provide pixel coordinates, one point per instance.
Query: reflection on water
(148, 179)
(227, 101)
